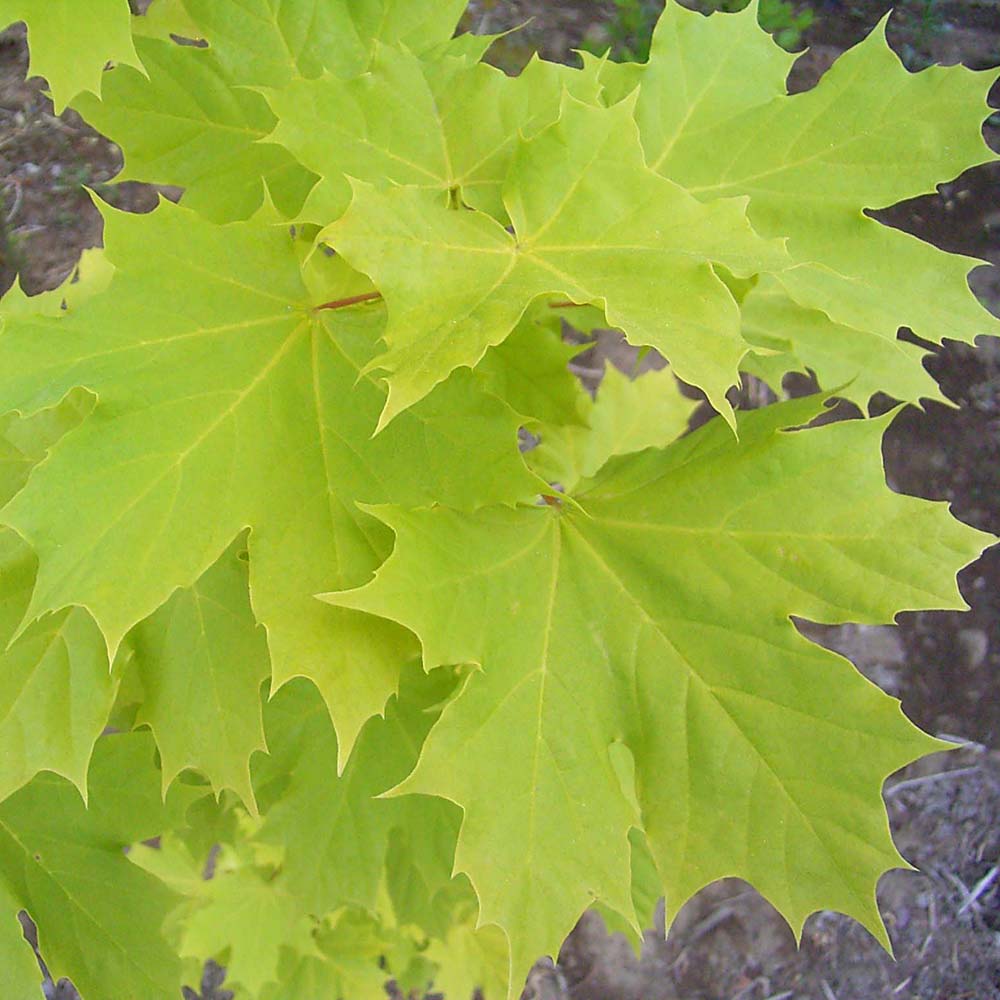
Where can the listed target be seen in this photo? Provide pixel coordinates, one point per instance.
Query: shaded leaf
(859, 361)
(56, 691)
(247, 918)
(628, 416)
(57, 860)
(334, 830)
(201, 659)
(530, 371)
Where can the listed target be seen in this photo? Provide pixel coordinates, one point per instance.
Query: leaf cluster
(393, 695)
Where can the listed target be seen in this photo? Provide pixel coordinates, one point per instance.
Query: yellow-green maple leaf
(590, 222)
(70, 42)
(870, 134)
(227, 401)
(656, 620)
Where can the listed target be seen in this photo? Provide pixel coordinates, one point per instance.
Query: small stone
(974, 644)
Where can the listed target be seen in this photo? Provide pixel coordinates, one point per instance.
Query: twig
(927, 779)
(703, 927)
(957, 883)
(962, 741)
(751, 988)
(582, 371)
(11, 213)
(830, 995)
(979, 888)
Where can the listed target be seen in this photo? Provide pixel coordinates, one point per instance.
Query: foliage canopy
(423, 696)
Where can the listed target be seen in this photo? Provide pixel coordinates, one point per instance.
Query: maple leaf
(530, 370)
(334, 829)
(22, 977)
(870, 134)
(446, 125)
(57, 859)
(470, 959)
(91, 275)
(25, 441)
(701, 71)
(164, 19)
(181, 122)
(329, 834)
(858, 363)
(591, 223)
(70, 45)
(343, 961)
(628, 416)
(420, 881)
(617, 703)
(201, 660)
(59, 689)
(657, 621)
(227, 402)
(267, 43)
(249, 916)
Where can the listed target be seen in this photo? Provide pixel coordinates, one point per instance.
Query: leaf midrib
(709, 690)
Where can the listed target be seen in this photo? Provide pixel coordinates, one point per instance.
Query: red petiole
(354, 300)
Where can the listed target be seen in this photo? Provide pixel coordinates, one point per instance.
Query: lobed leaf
(447, 125)
(858, 363)
(530, 370)
(344, 962)
(250, 919)
(658, 620)
(69, 45)
(632, 710)
(58, 689)
(227, 402)
(590, 223)
(267, 43)
(629, 416)
(868, 135)
(183, 123)
(91, 275)
(201, 660)
(702, 72)
(57, 859)
(334, 830)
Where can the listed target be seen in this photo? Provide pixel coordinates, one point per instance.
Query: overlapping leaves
(590, 222)
(58, 858)
(189, 454)
(407, 122)
(596, 646)
(180, 121)
(868, 135)
(227, 402)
